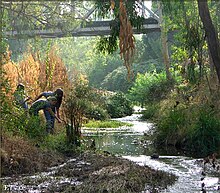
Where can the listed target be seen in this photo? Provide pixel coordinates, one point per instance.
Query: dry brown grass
(113, 174)
(19, 156)
(29, 72)
(11, 75)
(35, 74)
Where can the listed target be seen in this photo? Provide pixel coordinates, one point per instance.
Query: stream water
(131, 143)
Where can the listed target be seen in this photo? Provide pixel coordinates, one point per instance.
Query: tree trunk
(212, 38)
(164, 40)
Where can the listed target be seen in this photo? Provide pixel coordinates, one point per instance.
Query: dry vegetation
(35, 74)
(20, 156)
(126, 38)
(102, 173)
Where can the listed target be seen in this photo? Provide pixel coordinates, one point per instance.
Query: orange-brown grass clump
(11, 71)
(53, 72)
(29, 74)
(37, 75)
(20, 156)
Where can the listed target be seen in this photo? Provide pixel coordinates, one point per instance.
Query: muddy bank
(93, 173)
(82, 173)
(103, 173)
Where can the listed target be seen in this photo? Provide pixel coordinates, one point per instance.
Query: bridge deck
(96, 28)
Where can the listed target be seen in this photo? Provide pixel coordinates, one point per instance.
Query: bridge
(89, 27)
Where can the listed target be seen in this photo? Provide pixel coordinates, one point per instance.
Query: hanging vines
(126, 38)
(125, 15)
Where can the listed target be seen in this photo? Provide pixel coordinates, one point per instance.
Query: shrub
(150, 87)
(204, 135)
(35, 128)
(97, 113)
(171, 126)
(150, 111)
(119, 105)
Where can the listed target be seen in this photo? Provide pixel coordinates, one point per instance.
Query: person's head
(59, 93)
(20, 86)
(52, 100)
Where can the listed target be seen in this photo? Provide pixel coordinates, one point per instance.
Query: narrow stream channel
(130, 143)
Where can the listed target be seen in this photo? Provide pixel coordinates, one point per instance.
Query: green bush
(150, 111)
(196, 128)
(36, 129)
(204, 135)
(119, 105)
(97, 113)
(18, 122)
(171, 126)
(57, 142)
(151, 87)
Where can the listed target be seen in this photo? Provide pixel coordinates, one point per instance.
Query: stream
(131, 143)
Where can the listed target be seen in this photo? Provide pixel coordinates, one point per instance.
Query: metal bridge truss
(89, 27)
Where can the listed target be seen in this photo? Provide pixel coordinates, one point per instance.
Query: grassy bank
(188, 123)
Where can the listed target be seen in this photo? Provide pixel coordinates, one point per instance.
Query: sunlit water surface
(131, 144)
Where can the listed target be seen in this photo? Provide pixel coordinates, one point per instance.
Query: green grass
(106, 124)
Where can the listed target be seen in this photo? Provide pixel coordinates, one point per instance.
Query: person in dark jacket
(46, 105)
(58, 93)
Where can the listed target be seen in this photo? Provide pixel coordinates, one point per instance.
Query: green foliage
(110, 44)
(107, 45)
(149, 48)
(171, 125)
(106, 124)
(58, 143)
(150, 111)
(29, 15)
(15, 122)
(117, 80)
(97, 113)
(189, 49)
(204, 135)
(102, 66)
(196, 128)
(119, 105)
(35, 129)
(18, 122)
(150, 87)
(75, 106)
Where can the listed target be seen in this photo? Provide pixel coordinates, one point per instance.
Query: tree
(212, 38)
(75, 106)
(164, 43)
(125, 17)
(22, 16)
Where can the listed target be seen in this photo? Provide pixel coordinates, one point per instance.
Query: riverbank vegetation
(186, 109)
(106, 124)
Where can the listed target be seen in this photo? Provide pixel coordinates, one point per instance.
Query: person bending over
(58, 93)
(46, 105)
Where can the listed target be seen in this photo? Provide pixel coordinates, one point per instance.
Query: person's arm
(53, 114)
(58, 112)
(27, 99)
(38, 97)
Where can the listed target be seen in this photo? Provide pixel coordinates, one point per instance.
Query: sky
(148, 4)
